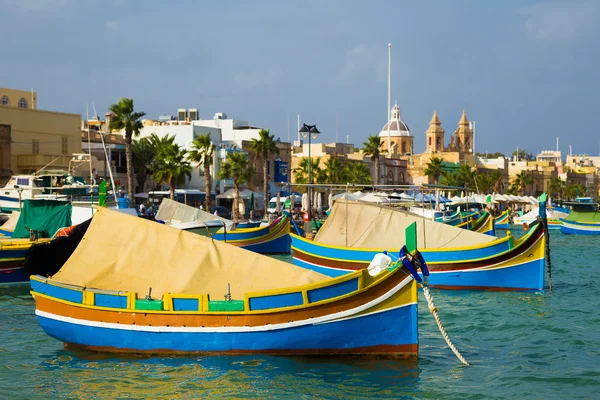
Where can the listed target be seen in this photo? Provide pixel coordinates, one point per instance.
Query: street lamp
(309, 131)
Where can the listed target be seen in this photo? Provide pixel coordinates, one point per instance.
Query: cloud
(560, 20)
(361, 59)
(248, 80)
(112, 26)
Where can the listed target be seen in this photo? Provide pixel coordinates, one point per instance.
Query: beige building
(30, 138)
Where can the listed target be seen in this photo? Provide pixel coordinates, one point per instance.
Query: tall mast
(389, 105)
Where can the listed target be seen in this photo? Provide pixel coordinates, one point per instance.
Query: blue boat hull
(306, 339)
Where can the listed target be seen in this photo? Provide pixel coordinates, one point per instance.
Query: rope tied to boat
(543, 218)
(413, 262)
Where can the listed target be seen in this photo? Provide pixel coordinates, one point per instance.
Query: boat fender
(407, 261)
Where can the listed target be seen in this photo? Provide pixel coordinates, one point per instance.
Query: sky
(526, 71)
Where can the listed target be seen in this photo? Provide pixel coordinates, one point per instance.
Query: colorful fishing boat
(154, 301)
(484, 224)
(554, 218)
(583, 220)
(457, 258)
(271, 239)
(502, 221)
(39, 220)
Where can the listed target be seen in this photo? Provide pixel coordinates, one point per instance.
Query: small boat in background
(502, 221)
(554, 217)
(484, 224)
(39, 220)
(191, 219)
(457, 258)
(583, 220)
(271, 239)
(200, 296)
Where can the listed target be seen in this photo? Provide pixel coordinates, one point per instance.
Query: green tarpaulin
(44, 216)
(579, 216)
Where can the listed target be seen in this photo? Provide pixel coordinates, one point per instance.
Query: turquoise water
(521, 345)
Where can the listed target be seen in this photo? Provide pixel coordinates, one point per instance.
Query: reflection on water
(63, 372)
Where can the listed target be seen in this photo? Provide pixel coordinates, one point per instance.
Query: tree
(490, 155)
(357, 173)
(125, 118)
(523, 155)
(143, 156)
(484, 183)
(434, 168)
(202, 152)
(334, 170)
(496, 180)
(236, 168)
(450, 179)
(466, 176)
(172, 166)
(522, 181)
(574, 190)
(316, 173)
(372, 148)
(556, 188)
(265, 146)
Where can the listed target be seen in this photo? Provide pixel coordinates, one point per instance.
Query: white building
(549, 156)
(226, 134)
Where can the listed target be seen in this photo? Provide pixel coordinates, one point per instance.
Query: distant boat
(553, 216)
(457, 258)
(583, 220)
(502, 221)
(147, 288)
(273, 238)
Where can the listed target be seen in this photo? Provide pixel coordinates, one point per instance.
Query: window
(65, 145)
(23, 103)
(5, 101)
(404, 148)
(35, 146)
(23, 181)
(429, 141)
(438, 143)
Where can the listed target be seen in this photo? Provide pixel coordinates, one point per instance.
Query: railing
(25, 161)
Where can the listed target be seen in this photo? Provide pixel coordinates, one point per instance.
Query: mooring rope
(433, 309)
(548, 261)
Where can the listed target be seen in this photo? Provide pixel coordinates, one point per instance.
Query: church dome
(397, 127)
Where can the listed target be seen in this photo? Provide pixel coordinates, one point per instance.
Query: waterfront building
(31, 138)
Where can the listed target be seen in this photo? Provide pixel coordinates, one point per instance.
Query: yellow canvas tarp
(122, 252)
(356, 224)
(173, 212)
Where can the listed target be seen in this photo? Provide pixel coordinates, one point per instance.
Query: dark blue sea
(522, 345)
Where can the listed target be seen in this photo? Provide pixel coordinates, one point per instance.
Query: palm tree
(143, 155)
(484, 182)
(316, 173)
(172, 167)
(265, 146)
(372, 148)
(556, 187)
(522, 180)
(358, 173)
(236, 167)
(202, 152)
(496, 180)
(334, 170)
(466, 175)
(125, 118)
(450, 179)
(434, 168)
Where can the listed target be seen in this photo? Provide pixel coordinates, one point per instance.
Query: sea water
(540, 345)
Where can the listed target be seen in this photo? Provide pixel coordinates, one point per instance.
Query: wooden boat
(191, 219)
(271, 239)
(455, 259)
(553, 216)
(484, 224)
(39, 220)
(168, 298)
(502, 220)
(583, 220)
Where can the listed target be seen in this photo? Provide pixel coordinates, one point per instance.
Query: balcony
(33, 162)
